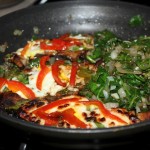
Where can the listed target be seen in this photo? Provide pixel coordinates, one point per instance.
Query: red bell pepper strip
(73, 73)
(57, 103)
(55, 72)
(54, 117)
(43, 72)
(25, 49)
(70, 40)
(43, 61)
(68, 113)
(16, 86)
(2, 82)
(103, 110)
(61, 43)
(41, 77)
(50, 120)
(56, 44)
(69, 116)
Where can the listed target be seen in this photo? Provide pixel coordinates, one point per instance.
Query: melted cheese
(33, 49)
(83, 113)
(49, 86)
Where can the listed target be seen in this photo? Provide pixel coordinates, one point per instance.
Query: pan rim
(70, 133)
(77, 3)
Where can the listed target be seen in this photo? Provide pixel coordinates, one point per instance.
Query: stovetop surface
(13, 139)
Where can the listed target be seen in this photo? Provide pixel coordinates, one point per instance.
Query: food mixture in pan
(78, 81)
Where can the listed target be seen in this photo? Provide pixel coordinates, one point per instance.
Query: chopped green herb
(136, 21)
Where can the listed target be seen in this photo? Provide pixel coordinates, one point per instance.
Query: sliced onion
(119, 68)
(111, 105)
(122, 93)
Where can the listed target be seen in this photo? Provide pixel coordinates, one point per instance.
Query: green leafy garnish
(136, 21)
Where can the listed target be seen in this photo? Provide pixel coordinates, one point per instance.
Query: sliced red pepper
(103, 110)
(54, 117)
(2, 82)
(43, 72)
(61, 43)
(57, 103)
(50, 120)
(16, 86)
(70, 40)
(41, 77)
(43, 61)
(56, 44)
(25, 49)
(69, 116)
(55, 72)
(73, 73)
(64, 36)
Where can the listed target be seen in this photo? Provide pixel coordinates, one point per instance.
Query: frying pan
(56, 18)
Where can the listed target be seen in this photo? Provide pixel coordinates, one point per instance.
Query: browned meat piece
(87, 44)
(73, 55)
(8, 99)
(18, 61)
(144, 115)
